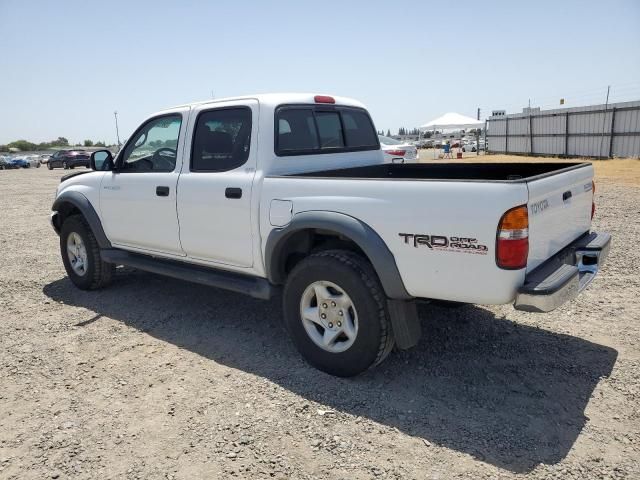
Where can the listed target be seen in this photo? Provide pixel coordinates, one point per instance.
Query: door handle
(162, 191)
(231, 192)
(566, 195)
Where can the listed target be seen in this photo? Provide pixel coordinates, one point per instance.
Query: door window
(221, 140)
(153, 147)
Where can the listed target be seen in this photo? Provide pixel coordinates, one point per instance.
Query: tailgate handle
(566, 195)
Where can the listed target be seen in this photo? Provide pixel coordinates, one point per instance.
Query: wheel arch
(70, 203)
(297, 238)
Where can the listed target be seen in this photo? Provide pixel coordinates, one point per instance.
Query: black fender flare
(83, 204)
(363, 235)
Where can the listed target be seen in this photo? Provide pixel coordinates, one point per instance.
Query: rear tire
(350, 280)
(96, 273)
(49, 166)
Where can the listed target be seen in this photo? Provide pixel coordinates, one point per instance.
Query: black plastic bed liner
(501, 172)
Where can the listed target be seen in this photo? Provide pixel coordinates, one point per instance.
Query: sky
(66, 66)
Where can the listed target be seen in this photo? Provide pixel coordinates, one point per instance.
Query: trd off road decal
(449, 244)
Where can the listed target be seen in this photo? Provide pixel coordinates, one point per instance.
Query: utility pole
(115, 114)
(478, 135)
(604, 118)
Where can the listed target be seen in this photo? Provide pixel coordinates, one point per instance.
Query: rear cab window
(313, 129)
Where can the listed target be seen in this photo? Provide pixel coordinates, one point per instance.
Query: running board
(254, 286)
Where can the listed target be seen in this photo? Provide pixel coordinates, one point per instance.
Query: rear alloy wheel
(329, 316)
(335, 310)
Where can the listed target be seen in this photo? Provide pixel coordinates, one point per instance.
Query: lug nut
(323, 316)
(341, 313)
(339, 323)
(324, 305)
(333, 304)
(330, 325)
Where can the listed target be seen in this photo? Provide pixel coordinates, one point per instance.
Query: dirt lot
(156, 378)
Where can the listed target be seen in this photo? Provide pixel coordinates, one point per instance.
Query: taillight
(396, 153)
(512, 243)
(324, 99)
(593, 202)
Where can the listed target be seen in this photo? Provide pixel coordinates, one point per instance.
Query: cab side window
(154, 146)
(221, 140)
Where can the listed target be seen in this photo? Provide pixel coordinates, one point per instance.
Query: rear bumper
(565, 275)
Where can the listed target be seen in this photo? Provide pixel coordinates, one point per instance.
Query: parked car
(34, 160)
(469, 146)
(68, 159)
(396, 151)
(19, 162)
(5, 163)
(290, 193)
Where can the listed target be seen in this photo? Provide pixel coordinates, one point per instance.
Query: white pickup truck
(257, 193)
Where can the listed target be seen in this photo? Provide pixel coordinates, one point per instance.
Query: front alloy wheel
(77, 253)
(81, 255)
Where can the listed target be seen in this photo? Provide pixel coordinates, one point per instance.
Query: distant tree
(427, 134)
(4, 148)
(100, 144)
(23, 145)
(388, 132)
(88, 143)
(60, 142)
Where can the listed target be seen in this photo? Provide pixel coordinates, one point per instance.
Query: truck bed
(492, 172)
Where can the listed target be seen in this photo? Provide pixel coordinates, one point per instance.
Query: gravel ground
(156, 378)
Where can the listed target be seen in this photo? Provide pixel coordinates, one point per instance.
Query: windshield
(388, 140)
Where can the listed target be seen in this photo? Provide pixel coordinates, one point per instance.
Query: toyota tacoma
(289, 194)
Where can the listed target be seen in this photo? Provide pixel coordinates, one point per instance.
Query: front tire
(49, 166)
(335, 310)
(81, 255)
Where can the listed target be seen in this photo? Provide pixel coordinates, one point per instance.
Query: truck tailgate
(559, 211)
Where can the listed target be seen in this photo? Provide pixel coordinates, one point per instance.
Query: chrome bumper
(565, 275)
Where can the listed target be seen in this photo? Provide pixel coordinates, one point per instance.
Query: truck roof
(275, 99)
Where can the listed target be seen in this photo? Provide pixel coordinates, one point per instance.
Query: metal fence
(601, 131)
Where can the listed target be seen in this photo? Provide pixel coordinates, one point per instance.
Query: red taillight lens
(396, 153)
(512, 244)
(324, 99)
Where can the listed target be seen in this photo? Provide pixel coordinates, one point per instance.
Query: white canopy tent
(451, 121)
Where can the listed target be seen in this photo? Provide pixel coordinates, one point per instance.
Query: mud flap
(405, 323)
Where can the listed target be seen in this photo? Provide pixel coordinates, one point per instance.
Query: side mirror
(101, 160)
